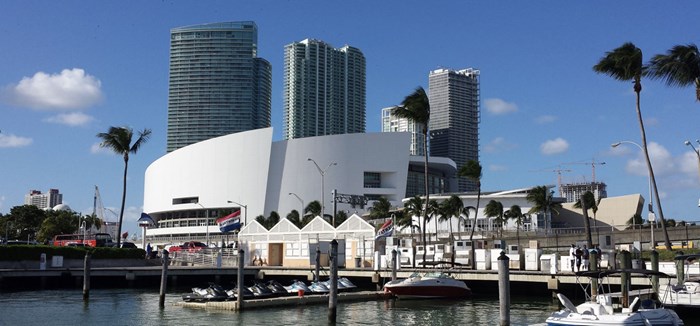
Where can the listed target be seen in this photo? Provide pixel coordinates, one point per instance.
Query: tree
(636, 219)
(586, 202)
(451, 207)
(433, 213)
(118, 139)
(494, 209)
(24, 221)
(92, 220)
(294, 217)
(625, 64)
(541, 200)
(515, 213)
(413, 207)
(380, 209)
(313, 209)
(416, 107)
(679, 67)
(340, 217)
(57, 222)
(472, 171)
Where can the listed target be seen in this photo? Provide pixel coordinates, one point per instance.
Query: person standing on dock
(584, 258)
(572, 256)
(578, 254)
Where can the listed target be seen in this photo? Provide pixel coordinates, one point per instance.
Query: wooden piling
(163, 280)
(333, 295)
(626, 261)
(318, 262)
(393, 265)
(240, 280)
(86, 277)
(655, 268)
(680, 269)
(593, 267)
(504, 289)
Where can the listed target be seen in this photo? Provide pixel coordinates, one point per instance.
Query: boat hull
(639, 318)
(419, 291)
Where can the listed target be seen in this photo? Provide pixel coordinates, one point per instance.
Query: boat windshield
(436, 275)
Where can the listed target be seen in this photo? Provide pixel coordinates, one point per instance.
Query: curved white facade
(248, 168)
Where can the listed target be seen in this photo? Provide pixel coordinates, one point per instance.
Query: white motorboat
(428, 285)
(684, 295)
(600, 312)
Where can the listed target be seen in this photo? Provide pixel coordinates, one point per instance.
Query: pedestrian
(149, 249)
(584, 258)
(578, 254)
(599, 255)
(572, 256)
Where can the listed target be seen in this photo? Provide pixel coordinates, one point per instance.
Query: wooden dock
(286, 301)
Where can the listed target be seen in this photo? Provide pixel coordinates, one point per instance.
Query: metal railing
(206, 257)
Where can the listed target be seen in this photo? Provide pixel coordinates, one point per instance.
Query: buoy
(301, 293)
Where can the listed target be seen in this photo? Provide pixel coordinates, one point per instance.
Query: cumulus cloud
(498, 106)
(72, 119)
(69, 90)
(554, 146)
(544, 119)
(10, 140)
(497, 145)
(663, 162)
(96, 149)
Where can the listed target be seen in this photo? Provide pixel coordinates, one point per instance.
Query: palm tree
(433, 213)
(494, 209)
(625, 64)
(118, 139)
(680, 66)
(380, 209)
(452, 207)
(541, 200)
(472, 171)
(313, 209)
(586, 202)
(413, 207)
(416, 107)
(466, 211)
(636, 219)
(515, 213)
(294, 217)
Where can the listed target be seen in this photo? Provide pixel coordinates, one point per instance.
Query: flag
(146, 220)
(386, 230)
(230, 222)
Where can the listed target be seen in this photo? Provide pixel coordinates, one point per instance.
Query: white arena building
(187, 189)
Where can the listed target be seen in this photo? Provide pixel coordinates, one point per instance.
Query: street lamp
(697, 152)
(245, 217)
(323, 191)
(206, 214)
(651, 218)
(301, 201)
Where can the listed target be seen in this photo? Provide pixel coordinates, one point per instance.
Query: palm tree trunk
(427, 193)
(121, 211)
(586, 224)
(638, 89)
(476, 211)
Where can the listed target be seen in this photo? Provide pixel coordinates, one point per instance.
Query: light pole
(301, 201)
(84, 227)
(245, 217)
(697, 152)
(651, 217)
(206, 214)
(323, 191)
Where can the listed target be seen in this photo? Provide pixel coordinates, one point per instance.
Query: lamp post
(82, 226)
(323, 191)
(206, 214)
(301, 201)
(245, 217)
(651, 217)
(697, 152)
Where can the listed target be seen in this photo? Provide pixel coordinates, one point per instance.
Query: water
(140, 307)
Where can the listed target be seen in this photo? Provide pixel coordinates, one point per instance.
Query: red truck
(191, 246)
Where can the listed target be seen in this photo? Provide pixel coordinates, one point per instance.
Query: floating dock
(286, 301)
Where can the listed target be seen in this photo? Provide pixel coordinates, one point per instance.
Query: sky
(71, 69)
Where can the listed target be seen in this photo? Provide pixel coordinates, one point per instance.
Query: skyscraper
(217, 83)
(48, 200)
(392, 123)
(324, 90)
(454, 117)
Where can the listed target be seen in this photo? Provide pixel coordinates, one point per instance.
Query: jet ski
(276, 288)
(319, 287)
(260, 290)
(297, 286)
(212, 293)
(346, 283)
(233, 293)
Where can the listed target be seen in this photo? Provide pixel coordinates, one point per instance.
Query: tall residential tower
(218, 85)
(324, 90)
(392, 123)
(454, 117)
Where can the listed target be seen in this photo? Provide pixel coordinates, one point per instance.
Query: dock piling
(333, 295)
(241, 263)
(593, 267)
(626, 261)
(318, 262)
(504, 289)
(86, 277)
(655, 268)
(163, 280)
(393, 265)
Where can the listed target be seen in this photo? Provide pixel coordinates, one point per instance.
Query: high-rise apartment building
(454, 117)
(324, 90)
(392, 123)
(48, 200)
(217, 85)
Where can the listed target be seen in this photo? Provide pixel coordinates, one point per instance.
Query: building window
(373, 180)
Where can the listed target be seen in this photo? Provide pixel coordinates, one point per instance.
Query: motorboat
(682, 295)
(428, 285)
(212, 293)
(599, 310)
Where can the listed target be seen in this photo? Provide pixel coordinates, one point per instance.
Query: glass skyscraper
(217, 85)
(454, 117)
(324, 90)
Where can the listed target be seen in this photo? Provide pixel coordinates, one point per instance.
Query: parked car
(191, 246)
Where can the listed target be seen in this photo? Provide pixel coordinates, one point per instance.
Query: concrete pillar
(626, 262)
(593, 267)
(504, 289)
(86, 277)
(163, 280)
(655, 268)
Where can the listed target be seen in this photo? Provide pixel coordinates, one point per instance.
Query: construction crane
(592, 163)
(558, 171)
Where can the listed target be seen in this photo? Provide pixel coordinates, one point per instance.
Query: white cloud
(499, 107)
(544, 119)
(497, 168)
(96, 149)
(71, 119)
(497, 145)
(9, 140)
(661, 160)
(554, 146)
(69, 90)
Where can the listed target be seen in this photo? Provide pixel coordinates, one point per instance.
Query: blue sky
(71, 69)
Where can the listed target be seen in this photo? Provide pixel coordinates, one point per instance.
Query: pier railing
(224, 257)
